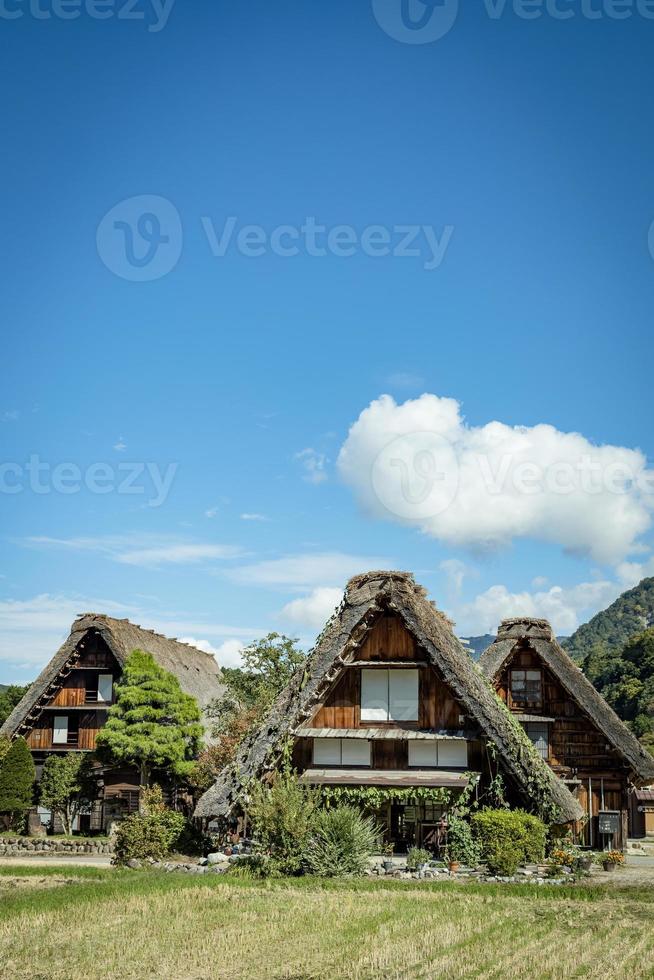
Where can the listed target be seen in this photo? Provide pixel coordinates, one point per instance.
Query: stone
(217, 858)
(133, 863)
(203, 861)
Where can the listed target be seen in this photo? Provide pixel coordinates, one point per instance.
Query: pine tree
(17, 776)
(154, 724)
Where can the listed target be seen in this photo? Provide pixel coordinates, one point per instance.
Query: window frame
(544, 727)
(338, 742)
(438, 745)
(526, 697)
(388, 714)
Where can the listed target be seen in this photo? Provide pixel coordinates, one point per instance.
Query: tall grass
(136, 925)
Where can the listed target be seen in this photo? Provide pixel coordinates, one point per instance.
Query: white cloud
(229, 653)
(565, 607)
(421, 464)
(121, 445)
(145, 551)
(332, 568)
(211, 513)
(314, 609)
(539, 582)
(314, 465)
(456, 572)
(11, 416)
(32, 630)
(631, 572)
(253, 517)
(405, 379)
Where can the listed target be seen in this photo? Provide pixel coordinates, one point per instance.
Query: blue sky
(144, 340)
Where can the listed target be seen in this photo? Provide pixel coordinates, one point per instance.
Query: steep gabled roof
(538, 633)
(366, 598)
(197, 672)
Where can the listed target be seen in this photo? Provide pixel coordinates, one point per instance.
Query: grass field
(88, 923)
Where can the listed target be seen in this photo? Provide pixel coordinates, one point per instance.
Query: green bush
(416, 857)
(341, 842)
(282, 818)
(461, 844)
(192, 840)
(508, 838)
(17, 775)
(153, 833)
(255, 866)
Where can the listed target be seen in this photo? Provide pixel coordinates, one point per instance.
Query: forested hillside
(609, 631)
(616, 652)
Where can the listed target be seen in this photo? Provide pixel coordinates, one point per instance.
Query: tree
(268, 665)
(17, 776)
(153, 724)
(9, 698)
(68, 785)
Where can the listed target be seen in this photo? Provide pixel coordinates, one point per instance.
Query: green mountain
(616, 652)
(609, 631)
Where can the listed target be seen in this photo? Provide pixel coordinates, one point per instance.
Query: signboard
(609, 821)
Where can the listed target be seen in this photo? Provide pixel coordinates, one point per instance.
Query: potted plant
(417, 859)
(611, 860)
(585, 861)
(387, 851)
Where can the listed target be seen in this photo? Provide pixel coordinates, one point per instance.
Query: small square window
(526, 687)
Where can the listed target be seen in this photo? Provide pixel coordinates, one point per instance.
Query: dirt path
(58, 860)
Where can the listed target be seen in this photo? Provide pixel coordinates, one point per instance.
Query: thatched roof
(197, 672)
(366, 598)
(540, 637)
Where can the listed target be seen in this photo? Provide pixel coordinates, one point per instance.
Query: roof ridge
(143, 629)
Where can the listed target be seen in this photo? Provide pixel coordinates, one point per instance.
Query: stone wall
(16, 846)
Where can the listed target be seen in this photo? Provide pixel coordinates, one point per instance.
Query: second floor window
(526, 687)
(389, 694)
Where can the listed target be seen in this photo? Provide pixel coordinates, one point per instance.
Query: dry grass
(141, 926)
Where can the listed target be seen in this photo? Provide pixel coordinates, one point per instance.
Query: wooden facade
(78, 705)
(573, 745)
(389, 646)
(67, 706)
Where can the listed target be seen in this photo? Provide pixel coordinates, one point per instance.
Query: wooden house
(67, 705)
(389, 698)
(570, 724)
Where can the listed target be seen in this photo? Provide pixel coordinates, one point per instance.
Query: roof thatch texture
(540, 637)
(366, 598)
(197, 672)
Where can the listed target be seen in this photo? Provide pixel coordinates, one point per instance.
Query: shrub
(152, 833)
(17, 775)
(461, 845)
(282, 816)
(255, 866)
(341, 842)
(508, 838)
(192, 840)
(416, 857)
